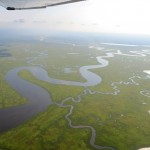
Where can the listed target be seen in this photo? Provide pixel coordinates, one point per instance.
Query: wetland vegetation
(115, 108)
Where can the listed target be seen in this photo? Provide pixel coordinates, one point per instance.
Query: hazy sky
(119, 16)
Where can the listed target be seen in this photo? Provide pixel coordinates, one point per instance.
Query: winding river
(39, 99)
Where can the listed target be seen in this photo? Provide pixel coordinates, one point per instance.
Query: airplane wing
(33, 4)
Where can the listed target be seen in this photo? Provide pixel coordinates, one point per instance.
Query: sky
(110, 16)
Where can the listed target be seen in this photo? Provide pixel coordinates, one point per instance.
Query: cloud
(39, 21)
(95, 24)
(117, 26)
(72, 22)
(19, 21)
(59, 22)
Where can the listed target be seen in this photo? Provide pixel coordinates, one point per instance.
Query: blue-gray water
(38, 100)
